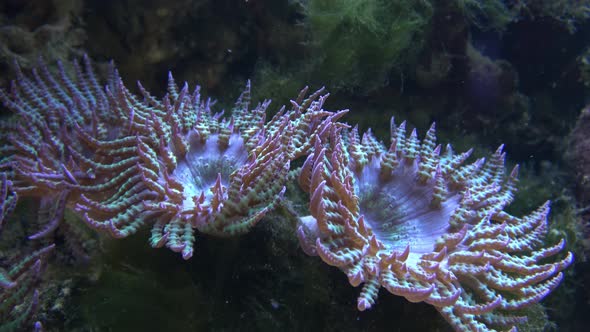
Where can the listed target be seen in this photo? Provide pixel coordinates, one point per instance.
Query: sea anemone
(123, 161)
(426, 225)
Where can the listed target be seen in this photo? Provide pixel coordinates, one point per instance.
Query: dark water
(487, 72)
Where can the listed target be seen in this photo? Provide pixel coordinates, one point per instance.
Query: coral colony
(415, 219)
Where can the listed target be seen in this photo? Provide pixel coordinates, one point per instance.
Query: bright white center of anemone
(198, 170)
(399, 211)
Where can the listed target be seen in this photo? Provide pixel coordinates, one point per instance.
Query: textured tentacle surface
(124, 161)
(426, 225)
(413, 217)
(20, 275)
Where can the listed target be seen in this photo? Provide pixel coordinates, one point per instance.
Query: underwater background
(488, 72)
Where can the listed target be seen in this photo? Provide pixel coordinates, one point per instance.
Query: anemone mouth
(204, 164)
(399, 210)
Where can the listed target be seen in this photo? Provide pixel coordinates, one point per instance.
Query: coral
(579, 160)
(123, 161)
(496, 14)
(379, 37)
(178, 34)
(491, 85)
(488, 14)
(31, 29)
(583, 61)
(577, 155)
(425, 225)
(569, 13)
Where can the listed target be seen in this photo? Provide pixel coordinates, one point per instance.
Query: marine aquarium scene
(294, 165)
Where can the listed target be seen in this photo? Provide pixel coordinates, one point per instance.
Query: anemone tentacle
(424, 224)
(125, 161)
